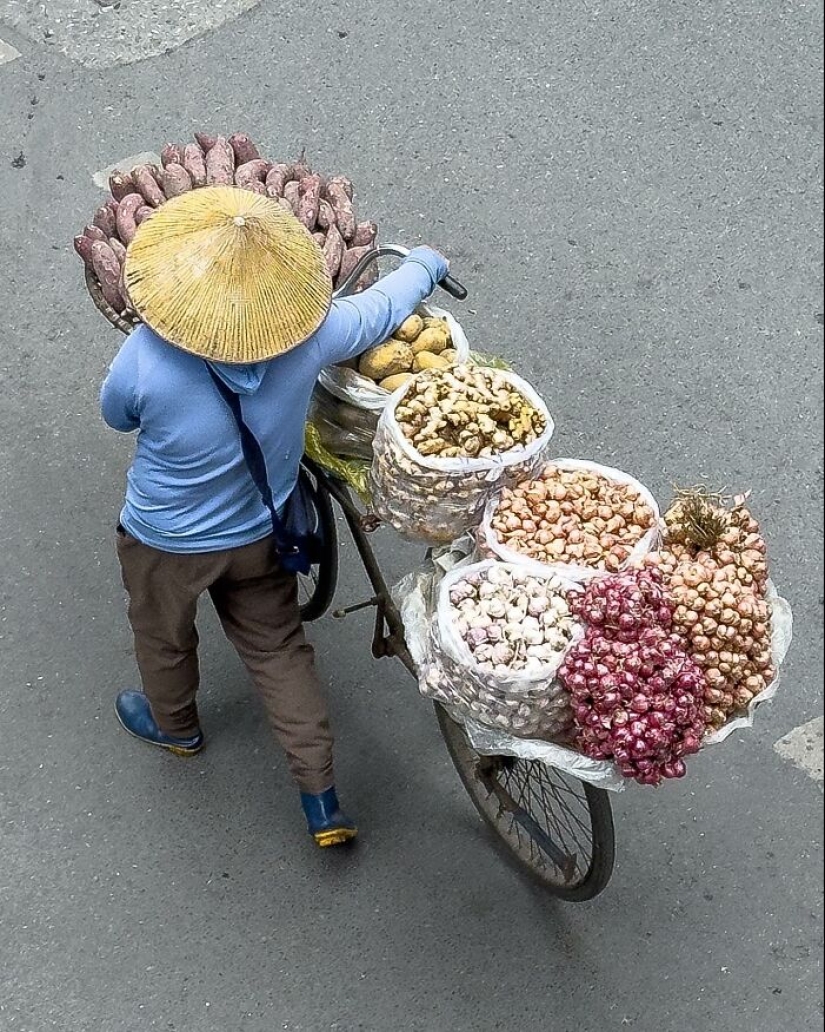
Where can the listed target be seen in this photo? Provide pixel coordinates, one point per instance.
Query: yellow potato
(450, 354)
(427, 360)
(434, 339)
(392, 383)
(386, 360)
(409, 329)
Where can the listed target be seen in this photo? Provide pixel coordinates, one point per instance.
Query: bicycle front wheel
(554, 827)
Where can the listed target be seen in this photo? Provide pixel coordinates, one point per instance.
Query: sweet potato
(104, 219)
(365, 234)
(176, 180)
(342, 206)
(147, 186)
(220, 164)
(143, 213)
(300, 168)
(244, 149)
(94, 233)
(171, 154)
(366, 279)
(326, 216)
(277, 178)
(118, 249)
(309, 200)
(121, 183)
(107, 270)
(83, 246)
(206, 141)
(319, 238)
(250, 172)
(292, 194)
(344, 183)
(126, 222)
(193, 162)
(333, 251)
(349, 260)
(285, 204)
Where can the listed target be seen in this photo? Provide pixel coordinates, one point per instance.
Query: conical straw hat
(228, 275)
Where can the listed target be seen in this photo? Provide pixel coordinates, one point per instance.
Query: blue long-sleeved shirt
(189, 489)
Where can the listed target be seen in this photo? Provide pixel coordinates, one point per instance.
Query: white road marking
(103, 34)
(7, 53)
(101, 178)
(804, 747)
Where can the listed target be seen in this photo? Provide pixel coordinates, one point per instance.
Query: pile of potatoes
(323, 204)
(419, 343)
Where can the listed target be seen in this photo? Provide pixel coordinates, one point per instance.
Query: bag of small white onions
(346, 405)
(448, 441)
(497, 638)
(574, 518)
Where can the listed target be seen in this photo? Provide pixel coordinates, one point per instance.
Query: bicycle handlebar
(449, 283)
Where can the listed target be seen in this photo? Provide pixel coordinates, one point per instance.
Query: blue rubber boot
(327, 825)
(135, 715)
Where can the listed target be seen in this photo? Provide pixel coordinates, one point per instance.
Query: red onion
(637, 695)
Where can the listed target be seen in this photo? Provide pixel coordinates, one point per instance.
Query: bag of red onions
(637, 695)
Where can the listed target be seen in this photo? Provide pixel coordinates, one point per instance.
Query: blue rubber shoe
(325, 822)
(135, 715)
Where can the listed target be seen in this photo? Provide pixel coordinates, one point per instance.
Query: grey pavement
(632, 191)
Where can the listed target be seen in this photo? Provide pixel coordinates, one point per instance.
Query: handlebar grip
(453, 288)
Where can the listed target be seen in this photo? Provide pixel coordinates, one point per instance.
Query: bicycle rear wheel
(316, 589)
(553, 826)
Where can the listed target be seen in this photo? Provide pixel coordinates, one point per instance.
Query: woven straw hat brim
(227, 275)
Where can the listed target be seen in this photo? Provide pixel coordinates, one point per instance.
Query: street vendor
(229, 285)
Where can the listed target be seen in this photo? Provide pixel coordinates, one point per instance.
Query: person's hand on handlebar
(433, 261)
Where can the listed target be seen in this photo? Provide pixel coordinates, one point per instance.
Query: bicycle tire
(519, 832)
(317, 589)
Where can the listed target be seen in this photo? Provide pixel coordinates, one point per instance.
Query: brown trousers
(257, 604)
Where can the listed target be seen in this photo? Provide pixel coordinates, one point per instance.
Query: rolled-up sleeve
(357, 323)
(118, 395)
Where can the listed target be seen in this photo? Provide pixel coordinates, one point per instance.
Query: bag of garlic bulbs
(449, 440)
(497, 637)
(347, 402)
(575, 518)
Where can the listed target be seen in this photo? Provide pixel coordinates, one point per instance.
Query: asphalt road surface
(632, 192)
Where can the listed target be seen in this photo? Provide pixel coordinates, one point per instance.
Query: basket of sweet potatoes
(324, 204)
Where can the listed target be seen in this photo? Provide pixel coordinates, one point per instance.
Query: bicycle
(556, 828)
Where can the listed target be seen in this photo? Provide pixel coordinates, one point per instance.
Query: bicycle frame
(388, 637)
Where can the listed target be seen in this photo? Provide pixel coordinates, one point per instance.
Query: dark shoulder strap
(254, 457)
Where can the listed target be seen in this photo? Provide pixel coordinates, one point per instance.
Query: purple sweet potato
(220, 163)
(342, 206)
(349, 260)
(118, 249)
(104, 219)
(206, 141)
(176, 180)
(143, 213)
(94, 233)
(121, 183)
(277, 178)
(147, 185)
(244, 149)
(334, 248)
(172, 154)
(107, 270)
(253, 171)
(292, 194)
(365, 234)
(126, 222)
(83, 246)
(195, 165)
(309, 200)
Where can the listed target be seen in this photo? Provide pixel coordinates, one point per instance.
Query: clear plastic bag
(415, 596)
(489, 544)
(521, 703)
(349, 404)
(436, 500)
